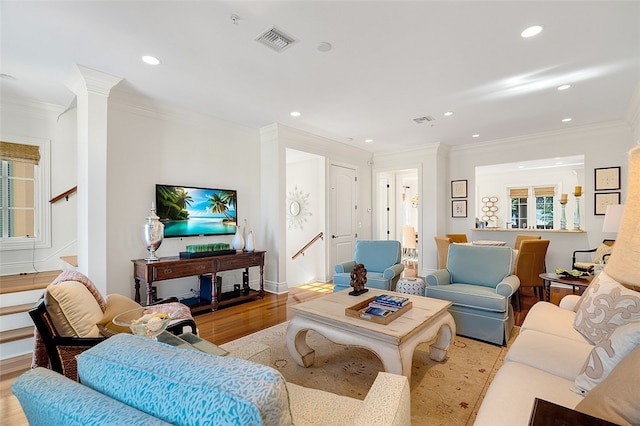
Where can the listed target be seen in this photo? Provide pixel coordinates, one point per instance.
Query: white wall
(44, 121)
(307, 178)
(161, 145)
(603, 145)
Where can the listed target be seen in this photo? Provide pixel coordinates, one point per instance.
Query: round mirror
(294, 208)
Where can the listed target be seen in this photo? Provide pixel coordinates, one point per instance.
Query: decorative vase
(238, 242)
(250, 244)
(152, 233)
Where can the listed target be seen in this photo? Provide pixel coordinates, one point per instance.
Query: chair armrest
(508, 285)
(392, 271)
(439, 277)
(569, 302)
(345, 267)
(573, 257)
(387, 403)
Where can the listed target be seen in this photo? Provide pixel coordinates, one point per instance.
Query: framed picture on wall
(607, 178)
(459, 208)
(603, 199)
(459, 188)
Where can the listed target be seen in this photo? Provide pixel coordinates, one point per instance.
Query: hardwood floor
(218, 327)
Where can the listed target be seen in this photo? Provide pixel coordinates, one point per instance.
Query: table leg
(214, 292)
(301, 353)
(149, 295)
(137, 291)
(547, 290)
(438, 349)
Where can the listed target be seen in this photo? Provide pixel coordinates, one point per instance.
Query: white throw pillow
(606, 355)
(73, 309)
(605, 305)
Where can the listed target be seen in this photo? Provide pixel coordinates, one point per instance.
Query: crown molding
(534, 139)
(26, 105)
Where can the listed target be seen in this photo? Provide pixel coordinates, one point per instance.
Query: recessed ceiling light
(151, 60)
(531, 31)
(564, 87)
(475, 136)
(448, 113)
(295, 114)
(566, 120)
(324, 46)
(368, 140)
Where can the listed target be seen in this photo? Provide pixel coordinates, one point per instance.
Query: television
(188, 211)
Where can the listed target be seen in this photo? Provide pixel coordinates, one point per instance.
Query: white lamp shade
(612, 218)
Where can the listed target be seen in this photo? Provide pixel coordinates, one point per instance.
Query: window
(24, 209)
(540, 207)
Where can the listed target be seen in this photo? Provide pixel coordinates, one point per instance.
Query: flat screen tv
(191, 211)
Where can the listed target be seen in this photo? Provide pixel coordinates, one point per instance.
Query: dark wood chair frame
(63, 350)
(573, 258)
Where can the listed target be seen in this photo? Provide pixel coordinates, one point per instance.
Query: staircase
(18, 294)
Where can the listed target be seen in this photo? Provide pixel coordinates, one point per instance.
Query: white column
(92, 90)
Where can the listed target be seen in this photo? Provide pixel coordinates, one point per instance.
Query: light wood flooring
(218, 327)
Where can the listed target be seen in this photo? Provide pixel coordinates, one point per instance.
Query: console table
(174, 267)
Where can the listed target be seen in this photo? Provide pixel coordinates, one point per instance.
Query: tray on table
(358, 311)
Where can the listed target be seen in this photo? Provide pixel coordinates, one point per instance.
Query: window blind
(544, 191)
(519, 193)
(19, 152)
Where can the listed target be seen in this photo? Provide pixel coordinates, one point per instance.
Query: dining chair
(530, 263)
(409, 244)
(520, 238)
(458, 238)
(442, 244)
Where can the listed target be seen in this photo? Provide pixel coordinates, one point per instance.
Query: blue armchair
(382, 260)
(480, 282)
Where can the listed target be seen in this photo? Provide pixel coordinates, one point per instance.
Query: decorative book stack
(381, 309)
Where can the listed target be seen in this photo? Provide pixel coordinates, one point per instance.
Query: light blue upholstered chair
(382, 260)
(480, 282)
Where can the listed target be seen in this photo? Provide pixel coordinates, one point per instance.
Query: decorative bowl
(143, 323)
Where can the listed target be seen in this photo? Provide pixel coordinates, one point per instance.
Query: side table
(411, 286)
(579, 284)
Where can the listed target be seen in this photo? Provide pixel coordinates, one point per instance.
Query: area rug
(442, 393)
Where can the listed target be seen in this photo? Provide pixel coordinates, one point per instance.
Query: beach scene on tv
(188, 211)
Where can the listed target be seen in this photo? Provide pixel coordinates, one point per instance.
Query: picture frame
(459, 188)
(602, 200)
(458, 208)
(607, 178)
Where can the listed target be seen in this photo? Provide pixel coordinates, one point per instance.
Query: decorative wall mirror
(297, 208)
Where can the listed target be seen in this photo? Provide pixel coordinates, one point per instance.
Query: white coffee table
(428, 321)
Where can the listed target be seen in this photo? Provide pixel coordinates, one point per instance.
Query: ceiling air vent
(424, 119)
(276, 39)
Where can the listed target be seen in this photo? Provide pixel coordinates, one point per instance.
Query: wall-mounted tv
(191, 211)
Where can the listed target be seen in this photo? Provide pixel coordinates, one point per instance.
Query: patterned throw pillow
(606, 355)
(601, 251)
(605, 305)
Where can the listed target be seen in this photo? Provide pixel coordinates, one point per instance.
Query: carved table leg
(137, 292)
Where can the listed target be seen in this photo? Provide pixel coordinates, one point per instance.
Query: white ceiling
(392, 61)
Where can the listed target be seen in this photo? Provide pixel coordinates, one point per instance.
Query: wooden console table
(174, 267)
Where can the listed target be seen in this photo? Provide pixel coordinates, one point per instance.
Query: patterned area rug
(446, 393)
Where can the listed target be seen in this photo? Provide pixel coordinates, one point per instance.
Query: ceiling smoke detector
(424, 119)
(276, 39)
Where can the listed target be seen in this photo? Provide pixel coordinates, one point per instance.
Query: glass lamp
(152, 233)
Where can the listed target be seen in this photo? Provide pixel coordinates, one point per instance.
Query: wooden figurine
(358, 280)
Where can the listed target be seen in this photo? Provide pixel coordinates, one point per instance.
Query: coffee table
(429, 321)
(577, 283)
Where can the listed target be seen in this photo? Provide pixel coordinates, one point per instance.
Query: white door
(342, 213)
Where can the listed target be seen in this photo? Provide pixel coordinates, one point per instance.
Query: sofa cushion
(554, 354)
(606, 354)
(616, 397)
(551, 319)
(377, 255)
(116, 304)
(49, 398)
(482, 266)
(604, 305)
(156, 378)
(484, 298)
(509, 399)
(73, 309)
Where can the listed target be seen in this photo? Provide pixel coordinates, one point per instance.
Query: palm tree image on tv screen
(191, 211)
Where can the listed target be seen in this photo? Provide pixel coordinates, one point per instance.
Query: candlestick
(576, 213)
(578, 191)
(563, 216)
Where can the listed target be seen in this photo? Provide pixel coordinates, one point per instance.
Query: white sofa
(549, 355)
